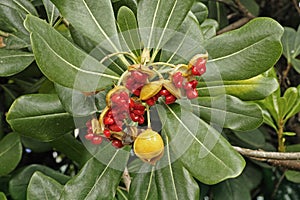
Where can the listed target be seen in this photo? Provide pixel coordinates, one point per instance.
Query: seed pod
(172, 89)
(149, 146)
(114, 91)
(195, 58)
(151, 89)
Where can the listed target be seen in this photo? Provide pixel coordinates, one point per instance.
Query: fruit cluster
(139, 88)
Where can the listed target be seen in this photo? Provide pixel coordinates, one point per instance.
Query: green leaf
(43, 187)
(72, 148)
(96, 179)
(245, 52)
(10, 153)
(35, 145)
(143, 184)
(13, 61)
(58, 58)
(296, 107)
(158, 19)
(94, 19)
(254, 88)
(209, 28)
(229, 112)
(254, 138)
(39, 116)
(188, 39)
(201, 149)
(217, 11)
(200, 11)
(293, 176)
(129, 30)
(2, 196)
(291, 45)
(291, 97)
(19, 182)
(173, 181)
(251, 6)
(51, 10)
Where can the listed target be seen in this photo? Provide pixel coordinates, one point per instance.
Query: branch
(297, 6)
(288, 160)
(234, 25)
(268, 155)
(244, 10)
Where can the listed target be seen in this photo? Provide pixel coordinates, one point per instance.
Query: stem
(163, 63)
(148, 117)
(122, 77)
(131, 56)
(4, 34)
(281, 139)
(286, 71)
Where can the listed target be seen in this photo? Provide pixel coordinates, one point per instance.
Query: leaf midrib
(40, 116)
(9, 148)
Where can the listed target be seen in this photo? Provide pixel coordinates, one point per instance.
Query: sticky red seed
(108, 121)
(170, 99)
(89, 136)
(134, 117)
(115, 128)
(191, 94)
(139, 112)
(150, 102)
(194, 83)
(164, 92)
(97, 140)
(117, 143)
(106, 132)
(141, 119)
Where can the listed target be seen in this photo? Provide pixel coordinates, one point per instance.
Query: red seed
(194, 83)
(89, 136)
(108, 121)
(141, 119)
(97, 140)
(134, 117)
(115, 98)
(117, 143)
(191, 94)
(131, 103)
(164, 92)
(88, 123)
(137, 92)
(139, 76)
(115, 128)
(170, 99)
(188, 86)
(106, 132)
(139, 112)
(150, 102)
(178, 79)
(139, 106)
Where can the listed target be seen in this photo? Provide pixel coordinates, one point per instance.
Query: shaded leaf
(229, 112)
(43, 117)
(94, 19)
(250, 45)
(13, 61)
(84, 72)
(10, 153)
(19, 182)
(293, 176)
(158, 19)
(209, 28)
(2, 196)
(96, 179)
(201, 149)
(255, 88)
(43, 187)
(254, 138)
(51, 10)
(200, 11)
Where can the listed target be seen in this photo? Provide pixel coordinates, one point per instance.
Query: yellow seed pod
(150, 89)
(149, 146)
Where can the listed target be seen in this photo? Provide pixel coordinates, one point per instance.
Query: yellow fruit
(149, 146)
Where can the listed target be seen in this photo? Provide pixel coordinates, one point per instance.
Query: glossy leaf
(43, 119)
(10, 153)
(201, 149)
(2, 196)
(156, 18)
(19, 182)
(251, 6)
(255, 88)
(229, 112)
(84, 72)
(200, 11)
(217, 11)
(96, 179)
(291, 46)
(13, 61)
(296, 106)
(254, 138)
(143, 184)
(94, 19)
(209, 28)
(293, 176)
(129, 30)
(51, 10)
(188, 39)
(173, 180)
(244, 52)
(43, 187)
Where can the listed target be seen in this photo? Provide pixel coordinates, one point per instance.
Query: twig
(297, 6)
(234, 25)
(277, 185)
(268, 155)
(286, 71)
(244, 10)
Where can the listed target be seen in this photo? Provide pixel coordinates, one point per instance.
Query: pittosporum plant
(147, 93)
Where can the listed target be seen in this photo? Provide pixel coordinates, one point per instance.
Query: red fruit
(141, 119)
(106, 132)
(130, 83)
(89, 136)
(191, 94)
(108, 121)
(97, 140)
(188, 86)
(115, 98)
(150, 102)
(134, 117)
(139, 112)
(109, 114)
(139, 106)
(199, 67)
(178, 79)
(115, 128)
(117, 143)
(194, 83)
(124, 96)
(164, 92)
(131, 103)
(139, 76)
(170, 99)
(137, 92)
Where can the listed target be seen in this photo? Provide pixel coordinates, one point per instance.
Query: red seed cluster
(94, 138)
(136, 81)
(199, 67)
